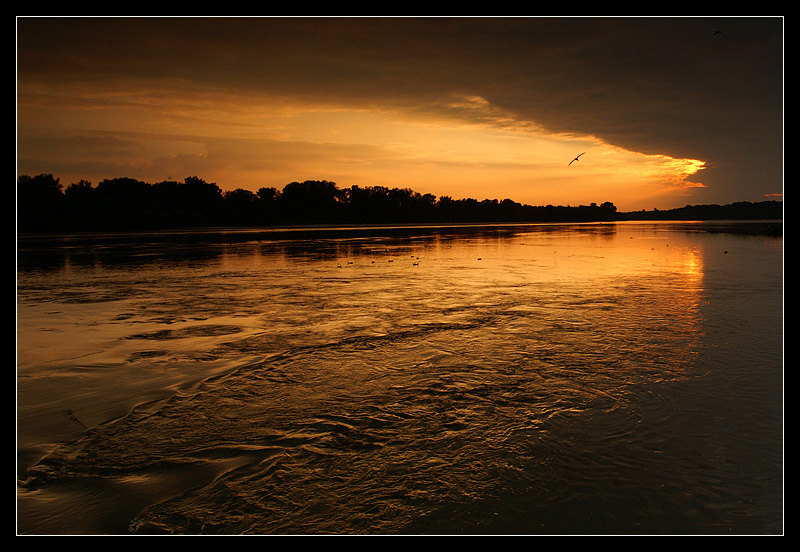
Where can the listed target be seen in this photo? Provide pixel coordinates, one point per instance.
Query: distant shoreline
(129, 205)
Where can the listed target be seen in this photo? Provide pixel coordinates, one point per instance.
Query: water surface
(540, 379)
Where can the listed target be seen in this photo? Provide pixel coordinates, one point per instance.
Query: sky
(667, 111)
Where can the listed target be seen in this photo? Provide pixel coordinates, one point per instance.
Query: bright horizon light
(462, 148)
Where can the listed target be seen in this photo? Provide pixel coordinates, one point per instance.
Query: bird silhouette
(570, 163)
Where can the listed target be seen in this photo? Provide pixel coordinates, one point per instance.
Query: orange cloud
(462, 146)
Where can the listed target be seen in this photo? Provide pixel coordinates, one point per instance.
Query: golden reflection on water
(602, 281)
(426, 274)
(422, 364)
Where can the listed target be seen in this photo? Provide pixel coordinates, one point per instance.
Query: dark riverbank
(124, 204)
(771, 212)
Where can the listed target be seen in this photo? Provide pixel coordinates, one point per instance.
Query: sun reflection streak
(693, 266)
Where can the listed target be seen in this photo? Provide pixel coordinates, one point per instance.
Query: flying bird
(570, 163)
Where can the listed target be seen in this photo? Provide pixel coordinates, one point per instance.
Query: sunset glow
(274, 110)
(254, 142)
(386, 276)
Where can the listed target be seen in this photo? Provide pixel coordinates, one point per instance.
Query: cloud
(653, 87)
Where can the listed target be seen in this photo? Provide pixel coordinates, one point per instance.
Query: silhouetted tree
(80, 206)
(124, 204)
(446, 209)
(200, 193)
(268, 205)
(310, 202)
(79, 190)
(192, 202)
(241, 207)
(39, 203)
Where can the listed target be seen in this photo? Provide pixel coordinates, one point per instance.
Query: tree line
(740, 210)
(122, 204)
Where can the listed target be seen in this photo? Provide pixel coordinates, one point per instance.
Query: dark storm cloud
(672, 86)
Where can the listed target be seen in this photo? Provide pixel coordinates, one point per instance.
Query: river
(615, 378)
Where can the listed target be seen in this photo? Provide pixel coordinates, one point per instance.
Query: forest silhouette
(127, 204)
